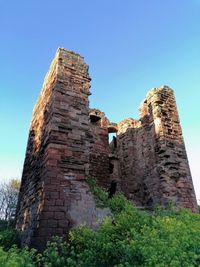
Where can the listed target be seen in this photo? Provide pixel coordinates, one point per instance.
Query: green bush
(8, 238)
(3, 224)
(165, 237)
(131, 237)
(101, 197)
(19, 258)
(56, 253)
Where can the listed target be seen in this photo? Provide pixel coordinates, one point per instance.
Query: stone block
(59, 215)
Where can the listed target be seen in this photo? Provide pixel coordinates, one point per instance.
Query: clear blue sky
(130, 45)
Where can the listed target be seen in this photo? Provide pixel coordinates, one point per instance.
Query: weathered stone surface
(152, 154)
(57, 150)
(69, 142)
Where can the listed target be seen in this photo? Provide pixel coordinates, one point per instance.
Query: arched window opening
(113, 140)
(94, 119)
(112, 135)
(112, 129)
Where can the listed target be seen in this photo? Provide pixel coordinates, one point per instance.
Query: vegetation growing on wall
(130, 238)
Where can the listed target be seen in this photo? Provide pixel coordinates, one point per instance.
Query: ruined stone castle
(68, 142)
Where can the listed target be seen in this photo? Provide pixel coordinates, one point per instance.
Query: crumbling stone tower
(69, 142)
(152, 155)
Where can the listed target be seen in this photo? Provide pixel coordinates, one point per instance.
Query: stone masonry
(68, 142)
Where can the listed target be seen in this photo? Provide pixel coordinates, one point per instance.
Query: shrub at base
(129, 238)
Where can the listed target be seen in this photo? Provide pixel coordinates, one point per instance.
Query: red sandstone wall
(152, 155)
(99, 151)
(171, 158)
(31, 197)
(99, 148)
(131, 160)
(57, 151)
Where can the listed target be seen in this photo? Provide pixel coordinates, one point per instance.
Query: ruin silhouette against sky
(130, 47)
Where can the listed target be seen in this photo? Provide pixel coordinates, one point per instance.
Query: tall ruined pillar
(168, 177)
(57, 152)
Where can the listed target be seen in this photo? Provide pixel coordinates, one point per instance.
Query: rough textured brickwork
(69, 142)
(154, 165)
(57, 151)
(99, 149)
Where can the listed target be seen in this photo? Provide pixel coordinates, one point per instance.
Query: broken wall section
(171, 159)
(131, 160)
(153, 160)
(99, 148)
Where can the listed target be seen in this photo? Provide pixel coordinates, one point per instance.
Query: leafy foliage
(130, 238)
(101, 197)
(56, 253)
(8, 238)
(19, 258)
